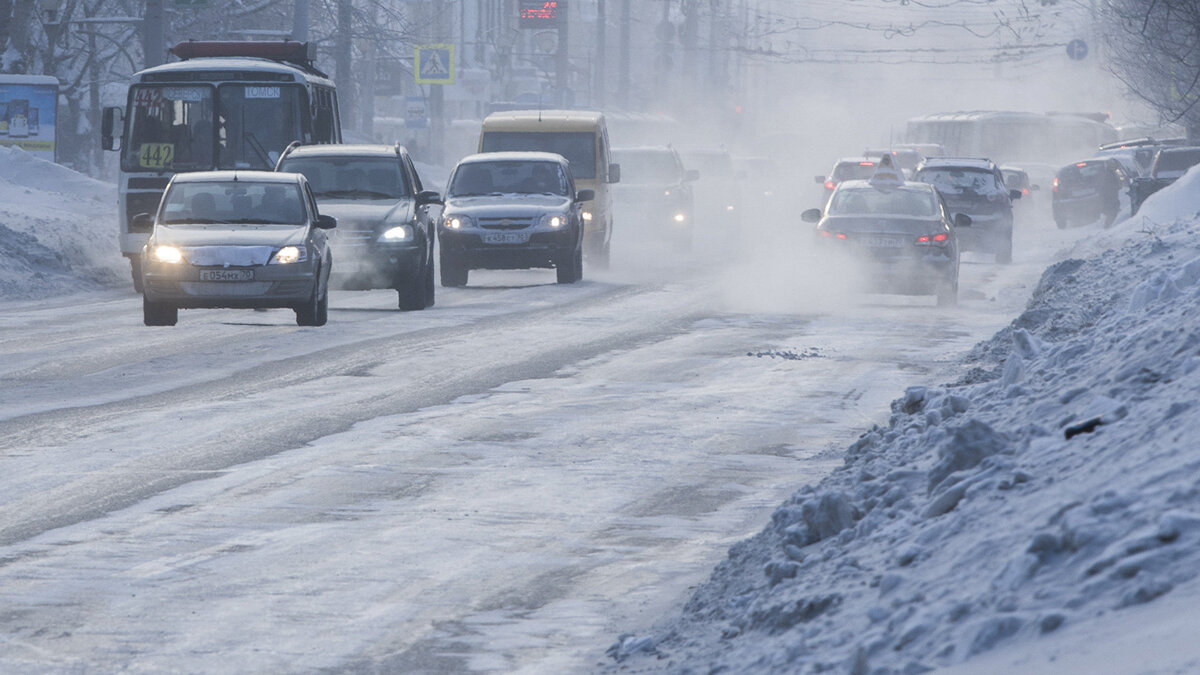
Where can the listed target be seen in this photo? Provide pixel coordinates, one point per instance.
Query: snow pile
(1056, 483)
(58, 229)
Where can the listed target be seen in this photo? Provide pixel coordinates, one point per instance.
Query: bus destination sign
(542, 13)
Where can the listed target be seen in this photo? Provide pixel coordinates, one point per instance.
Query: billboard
(28, 111)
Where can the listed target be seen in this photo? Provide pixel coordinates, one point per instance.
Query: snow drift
(1055, 484)
(58, 230)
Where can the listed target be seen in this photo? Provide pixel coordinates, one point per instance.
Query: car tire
(947, 294)
(159, 313)
(454, 272)
(571, 270)
(430, 295)
(412, 294)
(316, 312)
(135, 269)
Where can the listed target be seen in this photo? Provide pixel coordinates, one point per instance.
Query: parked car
(1169, 164)
(1088, 190)
(240, 239)
(975, 187)
(899, 232)
(512, 210)
(386, 232)
(655, 194)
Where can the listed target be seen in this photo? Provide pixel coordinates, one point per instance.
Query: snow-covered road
(495, 485)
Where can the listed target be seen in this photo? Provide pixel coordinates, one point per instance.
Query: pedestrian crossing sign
(435, 64)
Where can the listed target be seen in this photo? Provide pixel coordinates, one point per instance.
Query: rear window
(869, 201)
(1077, 176)
(1015, 179)
(1177, 161)
(579, 147)
(853, 171)
(959, 178)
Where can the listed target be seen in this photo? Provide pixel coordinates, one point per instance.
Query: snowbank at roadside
(1049, 492)
(58, 230)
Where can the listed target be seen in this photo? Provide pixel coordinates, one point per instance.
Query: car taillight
(1024, 192)
(830, 235)
(1055, 186)
(866, 163)
(938, 239)
(829, 185)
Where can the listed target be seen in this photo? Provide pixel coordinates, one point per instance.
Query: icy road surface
(498, 484)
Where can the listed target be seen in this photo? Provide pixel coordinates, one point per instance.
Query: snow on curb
(1056, 482)
(58, 230)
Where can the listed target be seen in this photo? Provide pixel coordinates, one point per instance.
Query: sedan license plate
(883, 242)
(505, 237)
(226, 275)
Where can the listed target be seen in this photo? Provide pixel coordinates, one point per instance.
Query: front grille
(518, 223)
(209, 289)
(343, 237)
(140, 202)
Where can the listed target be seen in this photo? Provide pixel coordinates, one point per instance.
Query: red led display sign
(542, 13)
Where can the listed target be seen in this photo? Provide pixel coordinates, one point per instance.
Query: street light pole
(153, 33)
(300, 21)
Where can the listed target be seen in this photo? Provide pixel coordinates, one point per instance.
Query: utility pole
(601, 54)
(300, 21)
(624, 83)
(563, 57)
(153, 33)
(342, 53)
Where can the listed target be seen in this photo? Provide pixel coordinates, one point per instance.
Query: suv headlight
(553, 220)
(397, 233)
(458, 223)
(290, 254)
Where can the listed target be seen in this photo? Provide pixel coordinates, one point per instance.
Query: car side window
(412, 171)
(312, 202)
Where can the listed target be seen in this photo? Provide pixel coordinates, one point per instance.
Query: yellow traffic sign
(434, 64)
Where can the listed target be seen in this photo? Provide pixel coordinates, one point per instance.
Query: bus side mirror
(614, 173)
(108, 126)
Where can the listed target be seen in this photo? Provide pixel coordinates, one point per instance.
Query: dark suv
(975, 186)
(656, 192)
(386, 219)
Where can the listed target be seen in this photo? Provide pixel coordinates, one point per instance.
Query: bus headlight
(167, 254)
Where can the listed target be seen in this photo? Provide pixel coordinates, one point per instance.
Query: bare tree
(1154, 49)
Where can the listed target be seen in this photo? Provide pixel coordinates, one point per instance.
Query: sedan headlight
(167, 254)
(398, 233)
(458, 222)
(553, 220)
(290, 254)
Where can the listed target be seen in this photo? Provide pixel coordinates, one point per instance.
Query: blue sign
(1077, 50)
(435, 64)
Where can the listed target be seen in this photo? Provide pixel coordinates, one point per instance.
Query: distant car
(847, 168)
(1017, 178)
(905, 159)
(975, 186)
(386, 220)
(900, 231)
(241, 239)
(926, 149)
(1087, 190)
(512, 210)
(1170, 163)
(718, 194)
(655, 194)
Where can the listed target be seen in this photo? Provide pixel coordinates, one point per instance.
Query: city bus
(223, 105)
(1014, 137)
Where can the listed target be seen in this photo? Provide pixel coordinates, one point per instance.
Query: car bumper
(382, 266)
(986, 233)
(917, 273)
(543, 249)
(272, 286)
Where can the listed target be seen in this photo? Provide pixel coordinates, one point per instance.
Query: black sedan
(512, 210)
(899, 233)
(242, 239)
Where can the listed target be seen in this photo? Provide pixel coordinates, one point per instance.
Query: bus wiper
(257, 147)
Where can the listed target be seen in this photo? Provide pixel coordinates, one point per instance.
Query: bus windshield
(579, 147)
(176, 127)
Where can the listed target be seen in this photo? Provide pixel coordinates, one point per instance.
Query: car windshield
(853, 171)
(647, 166)
(957, 179)
(509, 177)
(870, 201)
(233, 202)
(351, 177)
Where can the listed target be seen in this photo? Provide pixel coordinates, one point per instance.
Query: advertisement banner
(28, 111)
